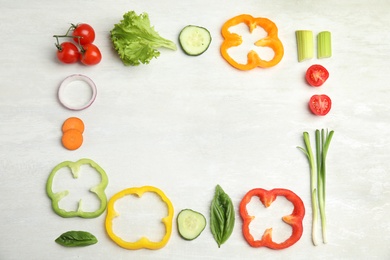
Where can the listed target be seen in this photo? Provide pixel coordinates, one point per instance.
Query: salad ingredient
(143, 242)
(76, 239)
(136, 41)
(194, 40)
(316, 75)
(320, 105)
(67, 53)
(73, 123)
(72, 139)
(304, 45)
(267, 197)
(323, 140)
(98, 190)
(62, 97)
(84, 33)
(72, 129)
(190, 224)
(313, 182)
(90, 54)
(324, 45)
(271, 40)
(318, 176)
(222, 216)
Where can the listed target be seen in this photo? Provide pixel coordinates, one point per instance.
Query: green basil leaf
(222, 216)
(76, 238)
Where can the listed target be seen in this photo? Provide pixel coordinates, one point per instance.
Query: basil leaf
(76, 238)
(222, 216)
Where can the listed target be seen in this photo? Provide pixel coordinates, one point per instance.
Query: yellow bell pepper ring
(253, 59)
(143, 242)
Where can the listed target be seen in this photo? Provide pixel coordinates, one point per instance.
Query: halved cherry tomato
(316, 75)
(90, 54)
(67, 53)
(85, 32)
(320, 105)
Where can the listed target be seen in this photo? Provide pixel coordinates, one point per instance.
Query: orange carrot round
(72, 139)
(73, 123)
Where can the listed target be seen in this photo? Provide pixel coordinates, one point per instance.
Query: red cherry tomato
(316, 75)
(90, 54)
(85, 31)
(68, 53)
(320, 105)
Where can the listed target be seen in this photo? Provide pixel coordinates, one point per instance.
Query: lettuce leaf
(136, 41)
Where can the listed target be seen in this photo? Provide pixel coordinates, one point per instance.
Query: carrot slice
(72, 139)
(73, 123)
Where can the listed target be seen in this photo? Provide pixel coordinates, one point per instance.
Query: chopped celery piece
(304, 45)
(324, 45)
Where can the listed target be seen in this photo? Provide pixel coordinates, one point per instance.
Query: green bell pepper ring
(99, 190)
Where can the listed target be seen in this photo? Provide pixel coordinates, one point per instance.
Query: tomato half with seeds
(320, 105)
(316, 75)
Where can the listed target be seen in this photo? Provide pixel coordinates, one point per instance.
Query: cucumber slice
(194, 40)
(190, 224)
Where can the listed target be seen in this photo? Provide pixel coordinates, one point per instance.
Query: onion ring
(67, 81)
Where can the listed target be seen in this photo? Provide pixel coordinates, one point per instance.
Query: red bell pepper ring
(294, 220)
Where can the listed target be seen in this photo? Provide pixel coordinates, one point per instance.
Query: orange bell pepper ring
(271, 40)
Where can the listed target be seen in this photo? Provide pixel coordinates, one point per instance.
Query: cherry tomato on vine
(85, 32)
(90, 54)
(316, 75)
(67, 53)
(320, 105)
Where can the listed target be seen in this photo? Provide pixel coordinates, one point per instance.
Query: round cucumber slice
(194, 40)
(190, 224)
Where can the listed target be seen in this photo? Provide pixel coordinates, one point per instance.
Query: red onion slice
(76, 77)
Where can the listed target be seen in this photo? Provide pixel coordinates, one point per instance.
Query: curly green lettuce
(136, 41)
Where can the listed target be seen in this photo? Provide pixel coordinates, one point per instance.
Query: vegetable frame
(98, 190)
(271, 40)
(267, 197)
(143, 242)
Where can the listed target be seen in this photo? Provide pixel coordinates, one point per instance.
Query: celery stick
(304, 45)
(324, 45)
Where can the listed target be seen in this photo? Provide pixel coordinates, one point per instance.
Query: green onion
(324, 45)
(304, 45)
(313, 180)
(318, 177)
(324, 142)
